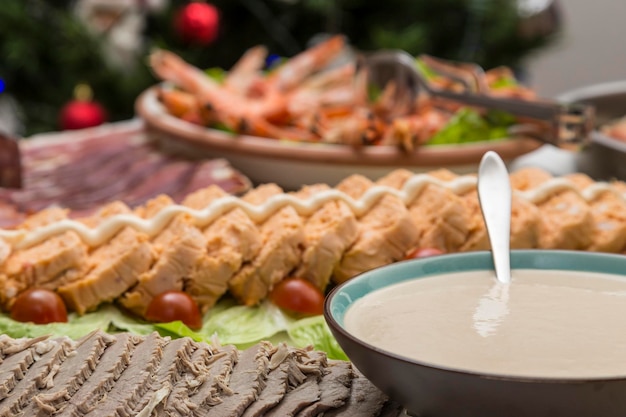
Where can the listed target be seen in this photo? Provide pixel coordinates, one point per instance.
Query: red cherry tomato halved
(39, 306)
(174, 305)
(298, 295)
(423, 253)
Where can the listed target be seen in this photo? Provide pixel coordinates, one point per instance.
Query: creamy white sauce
(543, 324)
(20, 238)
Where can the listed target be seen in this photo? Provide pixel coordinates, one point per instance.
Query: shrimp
(246, 71)
(514, 90)
(331, 88)
(170, 67)
(184, 105)
(414, 130)
(346, 125)
(296, 69)
(233, 110)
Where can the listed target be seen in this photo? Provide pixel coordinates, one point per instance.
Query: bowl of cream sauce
(443, 337)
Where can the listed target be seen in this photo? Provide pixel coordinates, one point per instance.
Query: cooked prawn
(412, 131)
(246, 71)
(295, 70)
(332, 88)
(233, 110)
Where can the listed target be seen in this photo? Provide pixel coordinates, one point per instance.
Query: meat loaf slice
(75, 371)
(134, 382)
(112, 268)
(565, 220)
(177, 249)
(439, 215)
(365, 400)
(282, 237)
(335, 389)
(327, 234)
(246, 382)
(50, 354)
(386, 232)
(231, 240)
(109, 368)
(53, 262)
(524, 219)
(608, 211)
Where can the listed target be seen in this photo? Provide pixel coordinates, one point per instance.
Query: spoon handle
(494, 194)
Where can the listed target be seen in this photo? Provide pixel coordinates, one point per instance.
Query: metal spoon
(494, 194)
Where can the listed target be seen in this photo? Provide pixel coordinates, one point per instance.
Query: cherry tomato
(423, 253)
(174, 305)
(298, 295)
(39, 306)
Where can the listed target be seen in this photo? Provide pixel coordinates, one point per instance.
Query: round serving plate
(293, 164)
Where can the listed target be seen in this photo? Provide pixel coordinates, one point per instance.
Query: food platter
(372, 224)
(293, 164)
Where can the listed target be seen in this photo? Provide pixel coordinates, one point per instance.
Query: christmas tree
(48, 47)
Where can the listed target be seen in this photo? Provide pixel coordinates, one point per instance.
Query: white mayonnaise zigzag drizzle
(109, 227)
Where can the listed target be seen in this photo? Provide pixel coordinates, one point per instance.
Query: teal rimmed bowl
(429, 390)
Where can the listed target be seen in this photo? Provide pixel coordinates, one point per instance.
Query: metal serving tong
(563, 125)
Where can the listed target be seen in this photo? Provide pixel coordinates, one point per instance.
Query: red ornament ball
(80, 114)
(198, 23)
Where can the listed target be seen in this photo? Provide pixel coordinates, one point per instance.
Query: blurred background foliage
(47, 47)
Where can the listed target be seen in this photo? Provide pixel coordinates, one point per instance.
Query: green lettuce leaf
(177, 329)
(468, 125)
(226, 322)
(75, 328)
(242, 325)
(314, 331)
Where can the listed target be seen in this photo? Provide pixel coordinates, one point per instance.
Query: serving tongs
(562, 125)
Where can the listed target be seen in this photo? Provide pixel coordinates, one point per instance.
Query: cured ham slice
(84, 169)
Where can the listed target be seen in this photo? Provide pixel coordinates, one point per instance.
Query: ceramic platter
(292, 164)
